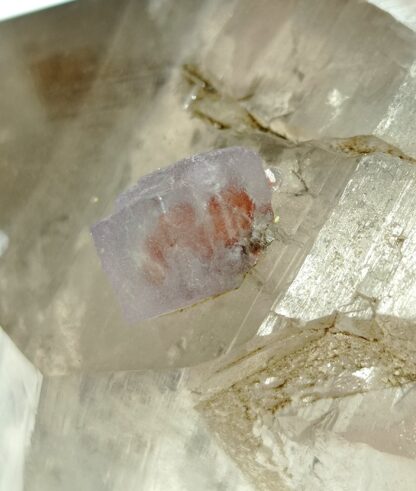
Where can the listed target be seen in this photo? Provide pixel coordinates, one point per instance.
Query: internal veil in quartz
(186, 232)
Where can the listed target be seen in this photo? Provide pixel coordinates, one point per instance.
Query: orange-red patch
(230, 215)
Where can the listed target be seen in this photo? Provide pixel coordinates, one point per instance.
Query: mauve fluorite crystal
(186, 232)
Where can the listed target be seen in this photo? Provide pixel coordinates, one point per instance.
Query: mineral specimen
(186, 232)
(309, 406)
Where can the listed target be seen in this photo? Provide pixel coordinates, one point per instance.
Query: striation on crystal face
(362, 259)
(186, 232)
(139, 432)
(291, 408)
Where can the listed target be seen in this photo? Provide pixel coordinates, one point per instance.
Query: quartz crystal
(20, 384)
(402, 10)
(186, 232)
(128, 431)
(294, 406)
(302, 378)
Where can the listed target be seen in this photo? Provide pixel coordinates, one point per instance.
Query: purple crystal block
(186, 232)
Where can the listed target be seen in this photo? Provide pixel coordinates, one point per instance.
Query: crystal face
(291, 407)
(20, 384)
(186, 232)
(324, 92)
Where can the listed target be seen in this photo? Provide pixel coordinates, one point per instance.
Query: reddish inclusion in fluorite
(186, 232)
(229, 219)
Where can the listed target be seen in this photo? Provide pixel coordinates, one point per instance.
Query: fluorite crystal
(186, 232)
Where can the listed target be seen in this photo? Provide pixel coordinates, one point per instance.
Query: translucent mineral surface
(402, 10)
(20, 384)
(126, 431)
(293, 407)
(186, 232)
(309, 366)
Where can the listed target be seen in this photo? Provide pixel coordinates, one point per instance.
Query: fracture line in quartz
(203, 89)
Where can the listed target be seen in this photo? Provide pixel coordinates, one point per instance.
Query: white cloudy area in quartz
(20, 385)
(303, 377)
(402, 10)
(4, 242)
(140, 431)
(22, 7)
